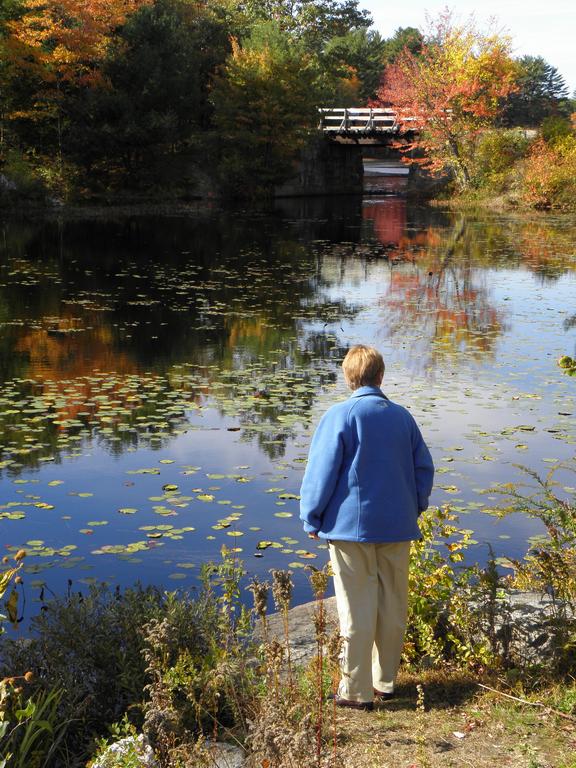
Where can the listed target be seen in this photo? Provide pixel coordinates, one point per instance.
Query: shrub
(496, 154)
(124, 748)
(19, 169)
(549, 566)
(550, 563)
(549, 174)
(446, 600)
(90, 648)
(174, 663)
(199, 679)
(554, 129)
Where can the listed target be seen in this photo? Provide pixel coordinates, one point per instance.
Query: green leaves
(568, 365)
(265, 101)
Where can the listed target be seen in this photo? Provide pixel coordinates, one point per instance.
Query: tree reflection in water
(442, 267)
(438, 299)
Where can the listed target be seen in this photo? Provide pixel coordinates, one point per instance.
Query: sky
(546, 29)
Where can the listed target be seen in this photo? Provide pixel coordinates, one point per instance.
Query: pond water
(161, 376)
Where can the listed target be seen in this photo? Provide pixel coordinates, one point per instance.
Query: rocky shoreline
(521, 624)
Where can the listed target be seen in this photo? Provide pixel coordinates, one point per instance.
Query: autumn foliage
(549, 174)
(67, 39)
(265, 109)
(448, 92)
(107, 97)
(104, 95)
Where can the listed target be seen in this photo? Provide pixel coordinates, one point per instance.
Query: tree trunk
(462, 167)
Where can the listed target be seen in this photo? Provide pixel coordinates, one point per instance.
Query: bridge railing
(358, 120)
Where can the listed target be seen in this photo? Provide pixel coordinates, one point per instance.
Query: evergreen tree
(358, 55)
(314, 22)
(404, 38)
(157, 75)
(540, 93)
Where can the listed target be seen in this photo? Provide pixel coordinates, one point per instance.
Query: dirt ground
(461, 725)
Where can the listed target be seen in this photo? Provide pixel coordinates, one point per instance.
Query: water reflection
(212, 340)
(389, 220)
(152, 293)
(442, 300)
(138, 294)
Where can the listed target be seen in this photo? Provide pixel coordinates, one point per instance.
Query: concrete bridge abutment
(325, 167)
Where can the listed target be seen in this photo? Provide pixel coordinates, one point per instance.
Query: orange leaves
(450, 89)
(448, 81)
(549, 179)
(67, 38)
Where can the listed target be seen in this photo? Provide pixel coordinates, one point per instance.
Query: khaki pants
(371, 585)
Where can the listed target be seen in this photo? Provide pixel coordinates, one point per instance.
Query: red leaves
(449, 90)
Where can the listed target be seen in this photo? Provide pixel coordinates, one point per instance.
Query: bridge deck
(362, 124)
(358, 120)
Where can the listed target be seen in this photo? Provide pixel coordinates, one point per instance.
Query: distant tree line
(99, 96)
(102, 93)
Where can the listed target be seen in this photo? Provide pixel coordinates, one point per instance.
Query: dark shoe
(367, 706)
(383, 695)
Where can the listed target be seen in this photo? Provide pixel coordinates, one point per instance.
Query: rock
(225, 755)
(302, 638)
(524, 625)
(528, 625)
(125, 751)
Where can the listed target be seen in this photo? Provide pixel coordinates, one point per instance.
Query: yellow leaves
(5, 579)
(450, 91)
(69, 36)
(549, 173)
(461, 69)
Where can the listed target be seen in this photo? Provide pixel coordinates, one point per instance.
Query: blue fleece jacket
(369, 472)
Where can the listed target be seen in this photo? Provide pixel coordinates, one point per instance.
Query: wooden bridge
(362, 125)
(333, 162)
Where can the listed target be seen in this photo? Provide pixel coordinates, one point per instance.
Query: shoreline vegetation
(479, 684)
(113, 102)
(482, 201)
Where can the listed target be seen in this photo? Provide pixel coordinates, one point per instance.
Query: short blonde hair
(363, 367)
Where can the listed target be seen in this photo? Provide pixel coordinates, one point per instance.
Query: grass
(492, 731)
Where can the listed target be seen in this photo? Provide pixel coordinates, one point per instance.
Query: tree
(56, 47)
(9, 10)
(265, 102)
(68, 38)
(155, 94)
(314, 22)
(540, 92)
(358, 54)
(449, 92)
(404, 37)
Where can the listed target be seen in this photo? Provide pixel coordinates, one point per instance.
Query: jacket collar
(363, 391)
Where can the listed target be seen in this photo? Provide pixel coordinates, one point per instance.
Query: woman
(368, 478)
